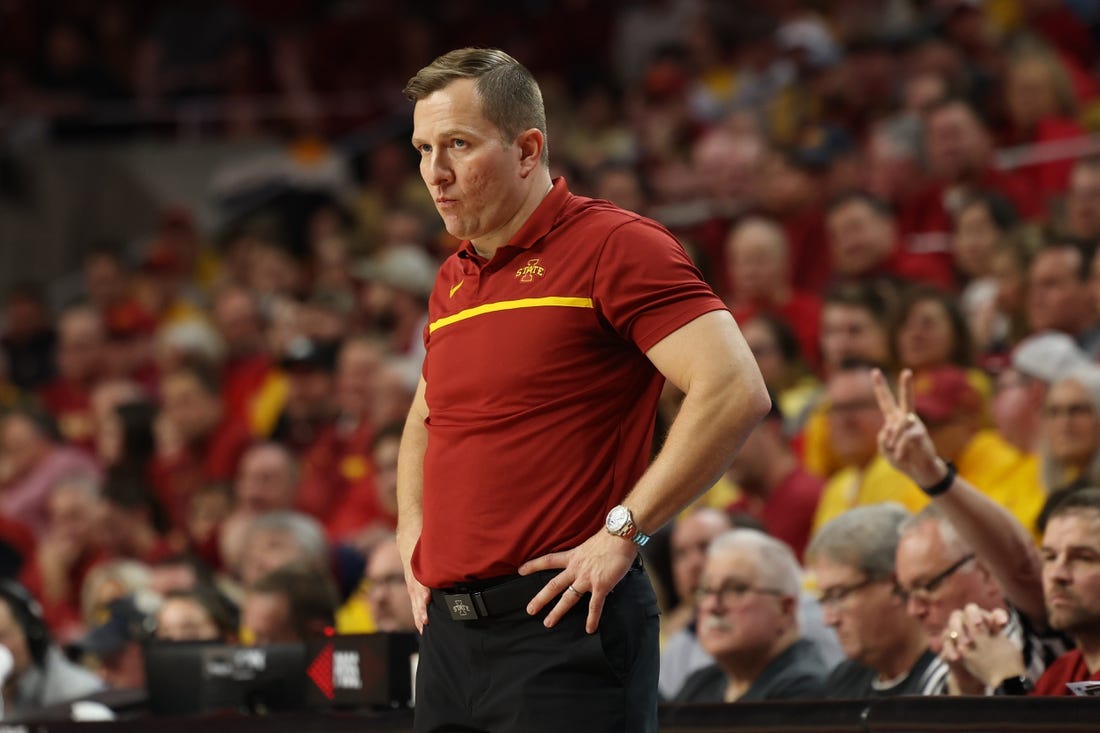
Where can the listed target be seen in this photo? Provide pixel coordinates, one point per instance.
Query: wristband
(941, 486)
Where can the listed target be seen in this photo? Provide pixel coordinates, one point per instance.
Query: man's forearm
(999, 541)
(708, 431)
(410, 486)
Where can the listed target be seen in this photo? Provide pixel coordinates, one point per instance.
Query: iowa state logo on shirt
(528, 272)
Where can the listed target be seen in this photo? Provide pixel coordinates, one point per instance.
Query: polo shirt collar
(538, 224)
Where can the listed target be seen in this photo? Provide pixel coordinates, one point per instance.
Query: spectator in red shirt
(1082, 216)
(1042, 108)
(267, 481)
(758, 257)
(32, 463)
(863, 243)
(1058, 296)
(959, 149)
(310, 407)
(775, 488)
(247, 365)
(81, 339)
(65, 553)
(1071, 590)
(337, 486)
(196, 441)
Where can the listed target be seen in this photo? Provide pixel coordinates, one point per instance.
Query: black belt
(496, 597)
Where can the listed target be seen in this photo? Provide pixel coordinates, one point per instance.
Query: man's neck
(1090, 651)
(487, 246)
(742, 669)
(899, 660)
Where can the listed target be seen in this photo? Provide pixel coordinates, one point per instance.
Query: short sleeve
(646, 286)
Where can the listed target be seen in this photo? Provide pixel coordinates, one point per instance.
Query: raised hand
(903, 439)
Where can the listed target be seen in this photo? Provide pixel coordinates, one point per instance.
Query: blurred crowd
(203, 443)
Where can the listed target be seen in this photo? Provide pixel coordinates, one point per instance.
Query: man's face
(265, 481)
(387, 595)
(957, 144)
(73, 515)
(80, 346)
(925, 338)
(921, 559)
(757, 259)
(265, 619)
(1056, 297)
(688, 544)
(866, 614)
(853, 417)
(851, 332)
(1083, 202)
(184, 619)
(385, 472)
(741, 613)
(21, 445)
(1071, 572)
(192, 410)
(472, 173)
(860, 238)
(237, 321)
(1070, 425)
(355, 374)
(12, 636)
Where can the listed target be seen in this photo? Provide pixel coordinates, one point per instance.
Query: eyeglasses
(732, 590)
(922, 593)
(838, 593)
(1074, 409)
(393, 580)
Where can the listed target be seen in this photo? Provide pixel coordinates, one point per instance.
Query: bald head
(757, 253)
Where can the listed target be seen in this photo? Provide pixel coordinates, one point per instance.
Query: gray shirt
(58, 680)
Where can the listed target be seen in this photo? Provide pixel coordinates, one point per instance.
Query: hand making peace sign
(903, 439)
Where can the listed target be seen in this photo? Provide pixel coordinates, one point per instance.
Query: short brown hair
(510, 96)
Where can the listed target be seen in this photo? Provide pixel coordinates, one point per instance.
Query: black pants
(510, 673)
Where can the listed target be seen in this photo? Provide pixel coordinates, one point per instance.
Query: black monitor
(362, 671)
(194, 677)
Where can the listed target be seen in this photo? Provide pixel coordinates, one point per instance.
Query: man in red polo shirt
(523, 486)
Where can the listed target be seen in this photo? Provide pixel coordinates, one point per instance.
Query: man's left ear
(531, 142)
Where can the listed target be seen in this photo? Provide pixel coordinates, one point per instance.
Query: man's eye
(459, 143)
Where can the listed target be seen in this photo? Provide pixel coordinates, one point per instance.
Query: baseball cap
(404, 267)
(1048, 356)
(942, 393)
(129, 618)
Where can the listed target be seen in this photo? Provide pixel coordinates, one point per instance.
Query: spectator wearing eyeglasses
(384, 585)
(1069, 435)
(938, 572)
(852, 559)
(748, 621)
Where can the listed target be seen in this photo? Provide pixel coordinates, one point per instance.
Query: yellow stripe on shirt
(507, 305)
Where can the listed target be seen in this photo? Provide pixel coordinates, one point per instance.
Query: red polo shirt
(541, 400)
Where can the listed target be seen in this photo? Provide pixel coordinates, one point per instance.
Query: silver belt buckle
(460, 606)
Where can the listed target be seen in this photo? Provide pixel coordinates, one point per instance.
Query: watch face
(617, 519)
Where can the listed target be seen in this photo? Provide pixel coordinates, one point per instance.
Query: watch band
(1018, 685)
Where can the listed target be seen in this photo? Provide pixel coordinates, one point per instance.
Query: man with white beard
(748, 621)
